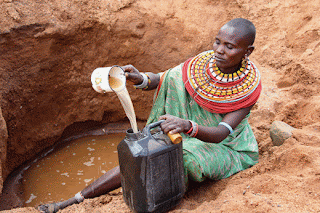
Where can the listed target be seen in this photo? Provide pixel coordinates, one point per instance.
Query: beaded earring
(245, 59)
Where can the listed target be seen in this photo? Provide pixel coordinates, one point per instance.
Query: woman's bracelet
(190, 130)
(149, 82)
(196, 132)
(193, 131)
(227, 126)
(146, 81)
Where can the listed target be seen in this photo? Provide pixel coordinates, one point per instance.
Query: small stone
(13, 13)
(309, 51)
(279, 132)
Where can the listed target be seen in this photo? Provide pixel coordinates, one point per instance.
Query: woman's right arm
(215, 134)
(133, 75)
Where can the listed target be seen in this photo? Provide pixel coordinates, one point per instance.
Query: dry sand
(287, 177)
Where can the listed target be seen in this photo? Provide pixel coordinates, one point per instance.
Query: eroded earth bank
(50, 48)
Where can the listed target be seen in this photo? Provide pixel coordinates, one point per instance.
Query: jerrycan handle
(175, 138)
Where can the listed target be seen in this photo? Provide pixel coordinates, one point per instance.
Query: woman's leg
(192, 168)
(214, 161)
(106, 183)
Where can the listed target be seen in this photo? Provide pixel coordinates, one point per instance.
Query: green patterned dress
(204, 160)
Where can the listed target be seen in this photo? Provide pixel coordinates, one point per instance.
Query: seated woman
(208, 99)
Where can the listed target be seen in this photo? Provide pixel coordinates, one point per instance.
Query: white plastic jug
(101, 77)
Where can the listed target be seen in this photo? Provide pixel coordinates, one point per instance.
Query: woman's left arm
(217, 134)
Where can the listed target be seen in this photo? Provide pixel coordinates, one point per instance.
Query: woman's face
(229, 49)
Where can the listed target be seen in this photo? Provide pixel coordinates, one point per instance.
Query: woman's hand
(132, 74)
(173, 124)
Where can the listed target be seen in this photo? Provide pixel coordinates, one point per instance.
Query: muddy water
(125, 100)
(68, 170)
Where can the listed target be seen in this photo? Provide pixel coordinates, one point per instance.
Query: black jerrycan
(151, 169)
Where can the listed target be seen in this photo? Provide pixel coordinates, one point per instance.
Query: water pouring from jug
(113, 79)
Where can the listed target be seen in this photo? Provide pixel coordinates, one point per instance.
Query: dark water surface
(69, 169)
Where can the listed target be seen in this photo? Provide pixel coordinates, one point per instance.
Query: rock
(279, 132)
(13, 13)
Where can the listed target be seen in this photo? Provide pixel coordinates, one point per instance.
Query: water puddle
(69, 169)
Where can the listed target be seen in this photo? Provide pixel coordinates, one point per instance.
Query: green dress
(203, 160)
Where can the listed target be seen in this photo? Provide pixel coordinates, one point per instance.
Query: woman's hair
(246, 29)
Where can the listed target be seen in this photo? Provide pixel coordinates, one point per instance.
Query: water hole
(69, 169)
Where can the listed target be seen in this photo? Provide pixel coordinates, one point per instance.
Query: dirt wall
(48, 50)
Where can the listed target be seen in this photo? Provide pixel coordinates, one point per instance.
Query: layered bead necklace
(219, 92)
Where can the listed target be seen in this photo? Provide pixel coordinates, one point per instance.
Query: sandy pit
(50, 48)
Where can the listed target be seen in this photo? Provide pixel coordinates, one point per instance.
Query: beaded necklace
(217, 91)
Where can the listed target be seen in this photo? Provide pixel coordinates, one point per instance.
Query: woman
(208, 99)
